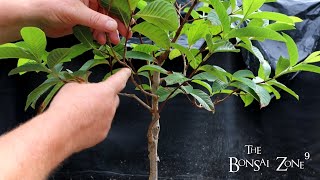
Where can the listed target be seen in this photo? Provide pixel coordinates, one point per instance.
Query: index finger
(118, 80)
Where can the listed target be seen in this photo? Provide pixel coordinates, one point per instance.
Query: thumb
(118, 81)
(95, 20)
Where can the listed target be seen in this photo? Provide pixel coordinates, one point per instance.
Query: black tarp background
(194, 144)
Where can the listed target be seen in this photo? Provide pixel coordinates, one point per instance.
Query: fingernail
(111, 25)
(128, 71)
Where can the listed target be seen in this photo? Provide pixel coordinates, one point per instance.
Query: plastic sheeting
(306, 36)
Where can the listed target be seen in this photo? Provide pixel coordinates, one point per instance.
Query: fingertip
(118, 80)
(114, 37)
(111, 25)
(127, 70)
(95, 20)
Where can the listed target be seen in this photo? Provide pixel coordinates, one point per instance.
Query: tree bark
(154, 129)
(153, 137)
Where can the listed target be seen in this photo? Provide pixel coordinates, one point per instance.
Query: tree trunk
(154, 129)
(153, 136)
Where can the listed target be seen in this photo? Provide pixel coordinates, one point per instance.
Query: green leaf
(119, 8)
(306, 67)
(29, 67)
(262, 93)
(271, 89)
(254, 50)
(218, 86)
(241, 86)
(145, 48)
(133, 4)
(255, 32)
(214, 18)
(247, 99)
(271, 16)
(222, 13)
(256, 23)
(175, 78)
(92, 63)
(15, 52)
(243, 73)
(215, 72)
(164, 93)
(292, 50)
(250, 6)
(204, 99)
(185, 51)
(197, 58)
(36, 41)
(153, 68)
(312, 58)
(161, 14)
(57, 56)
(196, 32)
(280, 26)
(264, 70)
(36, 93)
(84, 35)
(77, 50)
(174, 54)
(224, 46)
(283, 87)
(205, 76)
(282, 65)
(144, 87)
(139, 56)
(156, 34)
(22, 62)
(204, 84)
(49, 97)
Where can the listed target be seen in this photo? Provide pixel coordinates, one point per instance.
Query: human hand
(84, 112)
(58, 17)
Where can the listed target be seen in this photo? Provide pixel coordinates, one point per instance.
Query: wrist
(36, 148)
(61, 133)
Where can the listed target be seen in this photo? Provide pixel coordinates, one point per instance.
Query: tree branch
(141, 89)
(164, 56)
(217, 101)
(136, 98)
(185, 20)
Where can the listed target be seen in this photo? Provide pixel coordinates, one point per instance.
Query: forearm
(14, 15)
(34, 149)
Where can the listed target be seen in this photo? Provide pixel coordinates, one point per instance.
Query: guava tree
(223, 25)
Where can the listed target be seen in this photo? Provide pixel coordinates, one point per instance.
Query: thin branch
(139, 79)
(193, 102)
(116, 57)
(137, 99)
(217, 101)
(184, 21)
(164, 56)
(185, 66)
(204, 60)
(170, 95)
(140, 88)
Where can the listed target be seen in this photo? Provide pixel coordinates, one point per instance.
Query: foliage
(225, 27)
(160, 23)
